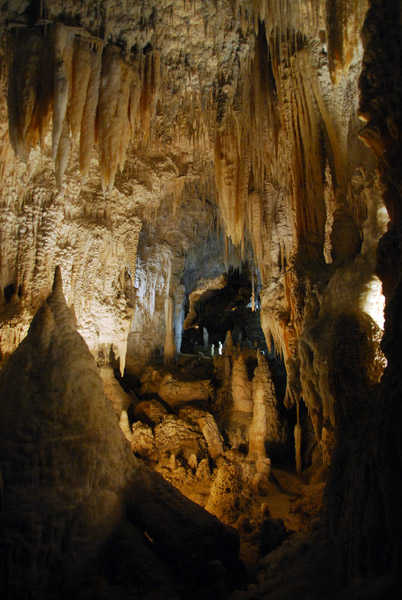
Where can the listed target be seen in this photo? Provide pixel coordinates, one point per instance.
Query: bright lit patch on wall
(374, 301)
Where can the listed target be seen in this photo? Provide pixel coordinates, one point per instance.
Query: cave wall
(364, 521)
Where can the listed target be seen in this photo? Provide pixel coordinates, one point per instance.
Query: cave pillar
(169, 349)
(258, 431)
(241, 388)
(178, 316)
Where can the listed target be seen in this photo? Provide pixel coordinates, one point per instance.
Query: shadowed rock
(71, 480)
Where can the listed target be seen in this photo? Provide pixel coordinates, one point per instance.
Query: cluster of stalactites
(339, 20)
(262, 109)
(95, 98)
(245, 144)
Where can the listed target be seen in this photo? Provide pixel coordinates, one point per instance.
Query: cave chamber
(200, 299)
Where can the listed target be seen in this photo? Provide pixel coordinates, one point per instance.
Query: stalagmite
(59, 403)
(218, 146)
(228, 345)
(258, 428)
(205, 337)
(125, 426)
(241, 387)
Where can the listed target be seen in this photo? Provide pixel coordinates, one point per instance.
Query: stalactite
(344, 20)
(122, 352)
(87, 134)
(63, 150)
(60, 85)
(29, 92)
(151, 75)
(113, 115)
(81, 76)
(298, 438)
(96, 93)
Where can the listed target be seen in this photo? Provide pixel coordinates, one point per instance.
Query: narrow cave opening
(217, 311)
(9, 292)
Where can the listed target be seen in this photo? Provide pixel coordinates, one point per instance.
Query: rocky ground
(202, 447)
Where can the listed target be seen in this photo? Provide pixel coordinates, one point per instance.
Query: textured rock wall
(367, 535)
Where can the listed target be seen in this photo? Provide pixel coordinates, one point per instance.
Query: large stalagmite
(70, 481)
(63, 460)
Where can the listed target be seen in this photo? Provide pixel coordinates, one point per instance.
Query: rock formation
(70, 481)
(64, 462)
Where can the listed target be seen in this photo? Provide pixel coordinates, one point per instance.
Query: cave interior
(200, 283)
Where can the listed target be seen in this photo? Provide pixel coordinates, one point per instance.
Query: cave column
(258, 431)
(170, 348)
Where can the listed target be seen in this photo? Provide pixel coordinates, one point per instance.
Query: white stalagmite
(205, 337)
(241, 387)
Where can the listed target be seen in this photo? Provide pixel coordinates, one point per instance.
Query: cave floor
(293, 500)
(290, 499)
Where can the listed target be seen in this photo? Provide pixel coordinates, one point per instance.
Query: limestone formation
(208, 427)
(150, 412)
(143, 441)
(169, 348)
(175, 392)
(241, 387)
(72, 485)
(266, 429)
(176, 436)
(63, 458)
(225, 500)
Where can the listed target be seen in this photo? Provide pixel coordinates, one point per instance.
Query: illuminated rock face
(155, 136)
